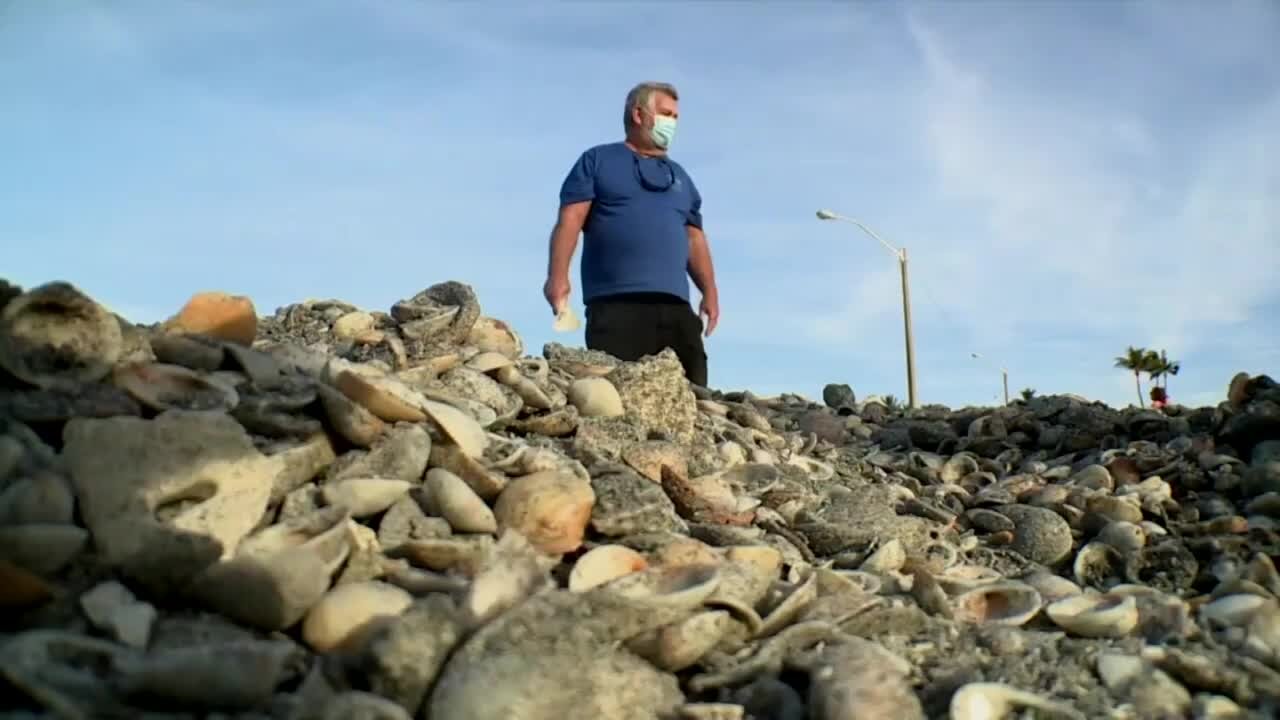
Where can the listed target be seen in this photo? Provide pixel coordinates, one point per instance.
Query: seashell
(997, 701)
(889, 557)
(57, 338)
(364, 496)
(595, 397)
(817, 470)
(1095, 615)
(603, 564)
(493, 335)
(165, 387)
(485, 482)
(959, 579)
(667, 586)
(1098, 565)
(1233, 610)
(1125, 537)
(957, 467)
(488, 362)
(349, 613)
(678, 646)
(465, 555)
(457, 503)
(843, 582)
(1002, 603)
(795, 601)
(938, 556)
(387, 398)
(459, 427)
(551, 508)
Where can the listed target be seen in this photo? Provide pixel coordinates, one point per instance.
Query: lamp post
(901, 254)
(1004, 376)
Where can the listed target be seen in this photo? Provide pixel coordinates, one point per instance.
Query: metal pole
(1004, 375)
(906, 322)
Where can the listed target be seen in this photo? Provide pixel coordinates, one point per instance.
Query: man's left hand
(710, 311)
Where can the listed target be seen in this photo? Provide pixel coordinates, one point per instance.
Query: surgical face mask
(663, 131)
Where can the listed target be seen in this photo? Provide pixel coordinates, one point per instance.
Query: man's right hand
(556, 291)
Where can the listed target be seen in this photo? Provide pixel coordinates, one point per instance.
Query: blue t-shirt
(634, 239)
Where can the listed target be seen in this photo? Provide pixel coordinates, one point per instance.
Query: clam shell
(674, 586)
(1098, 565)
(459, 427)
(838, 582)
(458, 503)
(493, 335)
(1001, 603)
(56, 337)
(160, 387)
(489, 361)
(1096, 615)
(603, 564)
(385, 397)
(959, 579)
(997, 701)
(484, 481)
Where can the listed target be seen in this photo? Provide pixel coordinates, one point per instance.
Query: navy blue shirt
(634, 239)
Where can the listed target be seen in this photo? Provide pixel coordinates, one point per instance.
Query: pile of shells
(332, 513)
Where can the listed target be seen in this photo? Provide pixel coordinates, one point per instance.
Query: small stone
(217, 315)
(347, 614)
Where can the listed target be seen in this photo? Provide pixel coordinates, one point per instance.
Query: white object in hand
(566, 320)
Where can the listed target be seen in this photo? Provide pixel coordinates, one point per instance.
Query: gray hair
(642, 96)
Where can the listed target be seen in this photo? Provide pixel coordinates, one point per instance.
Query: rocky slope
(332, 513)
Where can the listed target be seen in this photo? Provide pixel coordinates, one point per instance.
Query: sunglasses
(659, 185)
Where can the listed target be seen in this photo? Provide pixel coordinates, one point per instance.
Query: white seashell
(459, 427)
(840, 582)
(603, 564)
(1124, 536)
(566, 320)
(997, 701)
(1098, 565)
(887, 558)
(458, 504)
(1001, 603)
(595, 397)
(1233, 610)
(958, 579)
(1095, 614)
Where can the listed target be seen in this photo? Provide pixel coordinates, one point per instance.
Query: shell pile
(332, 513)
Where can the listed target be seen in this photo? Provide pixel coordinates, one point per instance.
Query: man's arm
(564, 237)
(700, 267)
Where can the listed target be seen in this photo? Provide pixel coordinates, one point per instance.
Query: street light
(901, 254)
(1004, 375)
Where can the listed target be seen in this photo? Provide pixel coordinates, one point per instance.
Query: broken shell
(1051, 587)
(838, 582)
(889, 557)
(485, 482)
(796, 600)
(459, 427)
(958, 579)
(1124, 536)
(1233, 610)
(1095, 615)
(1001, 603)
(55, 337)
(489, 361)
(164, 387)
(1098, 565)
(387, 398)
(603, 564)
(997, 701)
(458, 503)
(493, 335)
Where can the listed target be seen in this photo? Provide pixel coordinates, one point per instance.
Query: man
(641, 219)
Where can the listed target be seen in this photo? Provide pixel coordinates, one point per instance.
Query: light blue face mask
(663, 131)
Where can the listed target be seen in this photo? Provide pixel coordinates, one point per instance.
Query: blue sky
(1068, 178)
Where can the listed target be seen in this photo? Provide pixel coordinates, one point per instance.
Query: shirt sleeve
(580, 183)
(694, 214)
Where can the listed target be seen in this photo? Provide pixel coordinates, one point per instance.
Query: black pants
(631, 326)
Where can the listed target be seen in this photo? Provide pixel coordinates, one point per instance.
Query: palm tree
(1028, 393)
(1165, 367)
(1137, 361)
(890, 402)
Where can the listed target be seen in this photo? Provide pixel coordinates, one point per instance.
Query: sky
(1068, 178)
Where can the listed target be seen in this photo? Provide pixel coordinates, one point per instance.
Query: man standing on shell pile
(641, 220)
